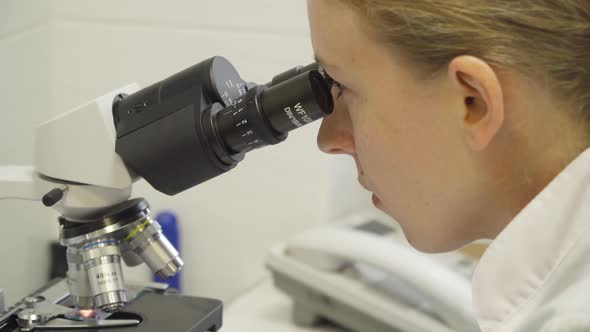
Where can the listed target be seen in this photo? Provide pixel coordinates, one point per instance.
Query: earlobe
(480, 90)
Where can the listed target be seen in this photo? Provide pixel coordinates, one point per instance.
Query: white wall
(25, 228)
(72, 51)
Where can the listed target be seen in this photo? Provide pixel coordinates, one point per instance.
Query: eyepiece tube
(211, 118)
(280, 78)
(297, 102)
(265, 115)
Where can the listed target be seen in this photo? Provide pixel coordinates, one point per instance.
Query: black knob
(52, 197)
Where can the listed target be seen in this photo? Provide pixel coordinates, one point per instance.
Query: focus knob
(54, 196)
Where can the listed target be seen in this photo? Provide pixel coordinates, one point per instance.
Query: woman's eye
(340, 89)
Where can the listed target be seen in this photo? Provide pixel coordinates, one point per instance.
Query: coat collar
(524, 256)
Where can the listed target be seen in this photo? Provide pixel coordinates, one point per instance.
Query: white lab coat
(535, 276)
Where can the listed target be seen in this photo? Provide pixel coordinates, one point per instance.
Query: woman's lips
(376, 200)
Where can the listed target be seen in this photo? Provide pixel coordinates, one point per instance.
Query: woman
(467, 119)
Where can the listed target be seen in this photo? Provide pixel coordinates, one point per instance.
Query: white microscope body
(75, 154)
(78, 173)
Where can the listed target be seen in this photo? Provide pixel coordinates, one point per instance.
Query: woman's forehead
(335, 34)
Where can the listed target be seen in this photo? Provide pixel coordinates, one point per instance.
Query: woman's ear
(482, 115)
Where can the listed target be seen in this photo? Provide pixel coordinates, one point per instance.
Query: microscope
(175, 134)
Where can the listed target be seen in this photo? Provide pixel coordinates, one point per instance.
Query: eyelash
(333, 82)
(340, 89)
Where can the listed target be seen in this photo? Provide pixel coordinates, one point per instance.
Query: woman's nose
(335, 135)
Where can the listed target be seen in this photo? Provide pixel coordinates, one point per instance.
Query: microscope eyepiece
(199, 123)
(264, 115)
(298, 101)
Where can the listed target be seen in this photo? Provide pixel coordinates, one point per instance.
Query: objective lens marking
(90, 245)
(137, 230)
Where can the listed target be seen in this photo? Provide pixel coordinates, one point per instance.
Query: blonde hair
(547, 40)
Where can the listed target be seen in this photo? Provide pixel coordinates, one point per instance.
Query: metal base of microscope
(155, 309)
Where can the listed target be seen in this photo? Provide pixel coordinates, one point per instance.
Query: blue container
(169, 223)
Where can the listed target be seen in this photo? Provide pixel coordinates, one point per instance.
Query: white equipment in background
(361, 274)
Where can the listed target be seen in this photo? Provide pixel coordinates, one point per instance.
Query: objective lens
(147, 241)
(102, 260)
(78, 281)
(265, 115)
(130, 258)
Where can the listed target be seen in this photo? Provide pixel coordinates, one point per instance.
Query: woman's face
(404, 133)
